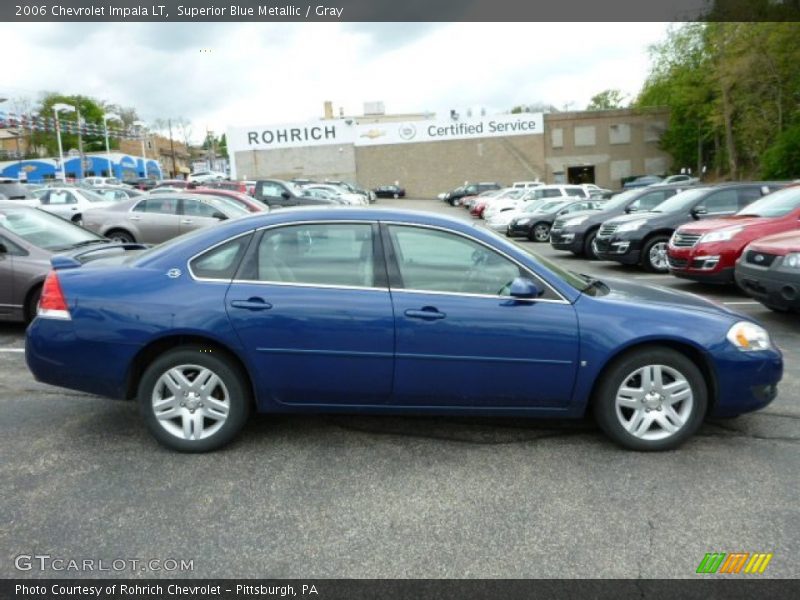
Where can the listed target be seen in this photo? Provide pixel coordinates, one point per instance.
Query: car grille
(677, 263)
(558, 225)
(762, 259)
(685, 240)
(607, 230)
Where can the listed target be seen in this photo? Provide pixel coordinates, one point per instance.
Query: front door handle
(187, 222)
(428, 313)
(251, 304)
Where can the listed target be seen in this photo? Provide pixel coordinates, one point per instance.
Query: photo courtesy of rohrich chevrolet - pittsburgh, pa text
(367, 299)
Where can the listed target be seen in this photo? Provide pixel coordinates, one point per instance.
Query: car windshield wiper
(591, 282)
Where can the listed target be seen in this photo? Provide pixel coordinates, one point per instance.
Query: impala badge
(174, 273)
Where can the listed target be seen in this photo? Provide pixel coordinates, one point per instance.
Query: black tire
(32, 303)
(604, 399)
(588, 244)
(645, 259)
(77, 219)
(539, 232)
(232, 378)
(777, 309)
(121, 236)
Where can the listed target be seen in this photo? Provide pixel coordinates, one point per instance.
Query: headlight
(721, 236)
(523, 221)
(792, 260)
(575, 221)
(632, 225)
(749, 337)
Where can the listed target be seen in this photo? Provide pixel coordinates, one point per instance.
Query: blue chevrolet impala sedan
(385, 311)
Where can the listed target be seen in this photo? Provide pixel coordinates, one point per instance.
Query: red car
(243, 199)
(769, 271)
(707, 250)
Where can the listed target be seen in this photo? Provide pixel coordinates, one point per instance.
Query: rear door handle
(251, 304)
(187, 222)
(428, 313)
(135, 218)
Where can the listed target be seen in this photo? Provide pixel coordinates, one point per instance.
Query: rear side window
(580, 192)
(163, 206)
(337, 254)
(220, 262)
(722, 202)
(748, 195)
(651, 200)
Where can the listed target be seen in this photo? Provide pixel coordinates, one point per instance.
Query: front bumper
(708, 263)
(773, 286)
(746, 381)
(515, 229)
(567, 239)
(618, 248)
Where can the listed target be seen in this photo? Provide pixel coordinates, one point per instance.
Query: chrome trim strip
(484, 358)
(309, 285)
(344, 353)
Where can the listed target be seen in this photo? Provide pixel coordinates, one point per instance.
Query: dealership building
(428, 154)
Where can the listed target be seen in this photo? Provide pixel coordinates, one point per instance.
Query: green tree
(782, 159)
(607, 99)
(91, 112)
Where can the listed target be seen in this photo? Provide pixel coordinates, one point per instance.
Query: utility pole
(172, 149)
(80, 139)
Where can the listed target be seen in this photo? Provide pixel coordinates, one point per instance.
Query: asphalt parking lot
(398, 497)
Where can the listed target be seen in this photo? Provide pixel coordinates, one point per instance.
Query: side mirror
(697, 211)
(285, 195)
(3, 249)
(630, 209)
(219, 216)
(522, 287)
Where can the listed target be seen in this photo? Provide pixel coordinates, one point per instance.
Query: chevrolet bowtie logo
(732, 563)
(373, 133)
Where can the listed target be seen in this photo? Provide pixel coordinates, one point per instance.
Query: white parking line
(12, 349)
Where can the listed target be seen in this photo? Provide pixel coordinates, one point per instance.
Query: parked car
(98, 181)
(11, 189)
(500, 221)
(680, 178)
(506, 199)
(642, 182)
(769, 271)
(352, 188)
(28, 239)
(243, 187)
(339, 193)
(575, 233)
(205, 176)
(71, 203)
(545, 191)
(156, 218)
(277, 194)
(642, 238)
(115, 193)
(141, 183)
(708, 250)
(527, 184)
(470, 322)
(536, 225)
(390, 191)
(453, 197)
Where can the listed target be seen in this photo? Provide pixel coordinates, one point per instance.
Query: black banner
(399, 11)
(735, 588)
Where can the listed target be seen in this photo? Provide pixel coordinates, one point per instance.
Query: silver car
(155, 218)
(70, 202)
(28, 238)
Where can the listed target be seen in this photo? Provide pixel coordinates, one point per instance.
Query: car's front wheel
(652, 399)
(120, 236)
(539, 232)
(194, 399)
(654, 254)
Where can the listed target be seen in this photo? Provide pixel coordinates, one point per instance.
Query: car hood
(780, 244)
(707, 225)
(625, 291)
(651, 217)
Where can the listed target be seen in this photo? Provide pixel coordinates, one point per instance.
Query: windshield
(620, 200)
(535, 205)
(93, 196)
(776, 204)
(226, 205)
(44, 230)
(680, 201)
(551, 205)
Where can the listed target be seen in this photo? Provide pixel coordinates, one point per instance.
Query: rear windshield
(776, 204)
(44, 230)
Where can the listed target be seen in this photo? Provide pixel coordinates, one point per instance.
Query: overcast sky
(220, 74)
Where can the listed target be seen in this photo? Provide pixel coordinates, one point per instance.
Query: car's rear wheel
(193, 399)
(651, 399)
(120, 236)
(32, 303)
(654, 254)
(539, 232)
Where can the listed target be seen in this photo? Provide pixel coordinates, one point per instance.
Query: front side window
(438, 261)
(197, 208)
(60, 197)
(337, 254)
(723, 202)
(271, 190)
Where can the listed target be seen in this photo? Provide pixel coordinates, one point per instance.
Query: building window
(585, 136)
(655, 166)
(654, 131)
(619, 169)
(619, 133)
(557, 137)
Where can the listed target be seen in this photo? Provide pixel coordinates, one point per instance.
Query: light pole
(106, 117)
(57, 108)
(142, 133)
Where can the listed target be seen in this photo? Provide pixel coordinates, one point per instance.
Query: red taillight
(52, 303)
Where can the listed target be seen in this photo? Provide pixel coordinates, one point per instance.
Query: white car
(526, 184)
(97, 181)
(203, 176)
(70, 202)
(339, 193)
(500, 221)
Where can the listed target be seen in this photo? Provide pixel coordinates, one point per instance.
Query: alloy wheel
(658, 256)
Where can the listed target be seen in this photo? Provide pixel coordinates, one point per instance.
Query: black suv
(471, 189)
(576, 232)
(641, 238)
(277, 193)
